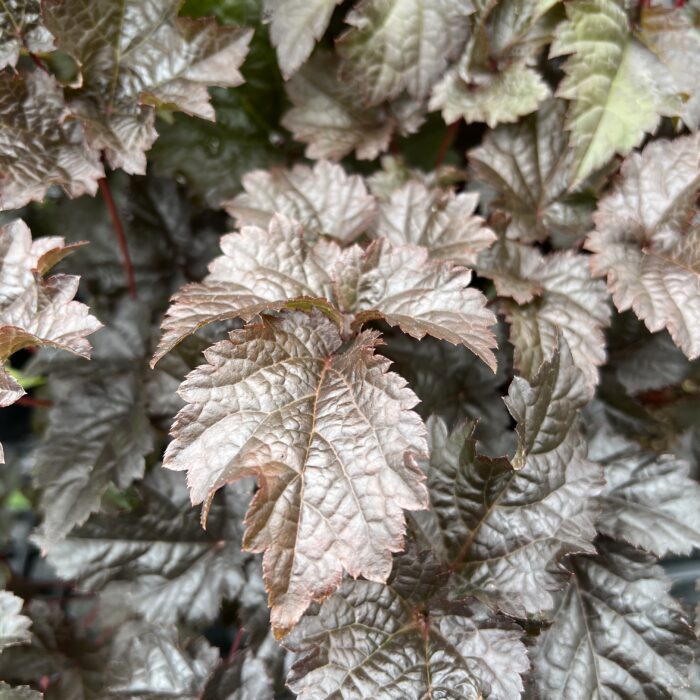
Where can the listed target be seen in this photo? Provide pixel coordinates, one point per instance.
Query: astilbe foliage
(410, 292)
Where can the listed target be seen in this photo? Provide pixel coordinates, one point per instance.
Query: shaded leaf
(616, 633)
(277, 400)
(14, 627)
(22, 692)
(647, 240)
(20, 26)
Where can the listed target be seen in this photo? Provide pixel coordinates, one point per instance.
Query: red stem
(446, 142)
(31, 402)
(121, 237)
(236, 643)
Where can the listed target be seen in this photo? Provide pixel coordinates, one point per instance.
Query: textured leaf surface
(38, 146)
(441, 221)
(20, 25)
(134, 54)
(391, 642)
(647, 240)
(157, 557)
(397, 45)
(332, 439)
(619, 88)
(617, 633)
(258, 271)
(14, 627)
(649, 500)
(323, 199)
(21, 692)
(506, 525)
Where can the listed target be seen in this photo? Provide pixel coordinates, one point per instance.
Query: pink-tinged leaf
(21, 27)
(331, 438)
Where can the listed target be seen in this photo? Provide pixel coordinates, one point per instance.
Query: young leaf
(14, 627)
(397, 45)
(619, 88)
(157, 557)
(616, 632)
(136, 54)
(374, 640)
(439, 220)
(39, 147)
(20, 26)
(330, 436)
(647, 239)
(295, 27)
(324, 200)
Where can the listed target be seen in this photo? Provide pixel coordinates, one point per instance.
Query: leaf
(619, 88)
(14, 627)
(258, 271)
(383, 641)
(506, 525)
(156, 556)
(649, 500)
(20, 26)
(295, 27)
(324, 200)
(279, 401)
(18, 693)
(397, 45)
(439, 220)
(529, 165)
(328, 118)
(402, 287)
(39, 146)
(647, 241)
(616, 633)
(135, 55)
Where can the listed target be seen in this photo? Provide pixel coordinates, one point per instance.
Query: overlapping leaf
(616, 633)
(391, 641)
(21, 26)
(134, 55)
(21, 692)
(14, 627)
(618, 87)
(330, 436)
(647, 240)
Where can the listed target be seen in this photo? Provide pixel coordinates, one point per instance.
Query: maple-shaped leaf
(647, 239)
(618, 87)
(156, 556)
(258, 271)
(323, 199)
(14, 627)
(137, 54)
(617, 633)
(295, 27)
(39, 145)
(397, 45)
(649, 500)
(507, 524)
(22, 692)
(330, 435)
(529, 165)
(327, 116)
(21, 27)
(391, 641)
(402, 287)
(439, 220)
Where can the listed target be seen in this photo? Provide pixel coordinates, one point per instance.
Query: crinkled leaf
(39, 145)
(439, 220)
(21, 692)
(245, 678)
(14, 627)
(647, 241)
(391, 642)
(402, 287)
(258, 271)
(619, 88)
(156, 556)
(20, 26)
(295, 27)
(529, 164)
(327, 116)
(617, 633)
(279, 401)
(136, 54)
(649, 500)
(397, 45)
(324, 200)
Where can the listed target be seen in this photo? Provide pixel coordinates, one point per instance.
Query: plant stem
(446, 142)
(31, 402)
(121, 237)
